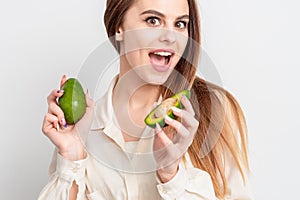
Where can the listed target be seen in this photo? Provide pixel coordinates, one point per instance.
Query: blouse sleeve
(189, 183)
(194, 183)
(63, 173)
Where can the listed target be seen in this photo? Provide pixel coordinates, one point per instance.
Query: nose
(167, 36)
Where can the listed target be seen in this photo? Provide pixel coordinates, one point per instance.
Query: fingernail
(63, 121)
(168, 119)
(87, 92)
(183, 97)
(176, 110)
(157, 128)
(60, 91)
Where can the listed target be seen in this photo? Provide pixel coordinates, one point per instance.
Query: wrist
(166, 175)
(74, 156)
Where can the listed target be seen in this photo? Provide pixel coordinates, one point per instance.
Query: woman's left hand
(168, 147)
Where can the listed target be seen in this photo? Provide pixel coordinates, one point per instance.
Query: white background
(254, 45)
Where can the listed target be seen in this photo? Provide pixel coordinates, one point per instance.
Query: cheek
(136, 45)
(182, 42)
(181, 45)
(134, 58)
(136, 40)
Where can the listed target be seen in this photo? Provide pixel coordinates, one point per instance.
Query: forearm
(73, 191)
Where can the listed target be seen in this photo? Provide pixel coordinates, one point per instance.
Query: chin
(154, 79)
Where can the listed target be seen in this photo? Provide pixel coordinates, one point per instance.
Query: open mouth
(161, 57)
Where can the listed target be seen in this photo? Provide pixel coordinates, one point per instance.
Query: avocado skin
(72, 102)
(151, 121)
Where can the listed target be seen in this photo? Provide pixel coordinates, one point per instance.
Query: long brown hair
(222, 127)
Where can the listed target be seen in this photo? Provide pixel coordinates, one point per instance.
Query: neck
(130, 87)
(132, 101)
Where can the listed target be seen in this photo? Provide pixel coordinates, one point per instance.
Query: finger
(50, 128)
(186, 118)
(175, 124)
(170, 132)
(54, 109)
(165, 152)
(183, 135)
(54, 95)
(162, 137)
(63, 80)
(50, 122)
(187, 105)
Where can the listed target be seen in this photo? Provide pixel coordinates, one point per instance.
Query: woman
(201, 156)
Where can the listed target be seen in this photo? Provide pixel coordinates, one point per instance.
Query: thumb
(161, 140)
(63, 80)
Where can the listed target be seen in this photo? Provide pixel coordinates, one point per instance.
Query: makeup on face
(155, 36)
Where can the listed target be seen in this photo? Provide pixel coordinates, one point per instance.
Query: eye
(153, 21)
(181, 24)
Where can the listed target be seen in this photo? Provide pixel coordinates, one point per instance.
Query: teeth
(163, 53)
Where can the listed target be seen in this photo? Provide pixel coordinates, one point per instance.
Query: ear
(119, 34)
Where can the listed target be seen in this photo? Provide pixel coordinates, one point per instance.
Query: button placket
(76, 169)
(164, 191)
(131, 185)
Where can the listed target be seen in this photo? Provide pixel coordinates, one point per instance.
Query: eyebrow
(154, 12)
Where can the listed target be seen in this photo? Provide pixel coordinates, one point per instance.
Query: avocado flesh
(157, 114)
(73, 102)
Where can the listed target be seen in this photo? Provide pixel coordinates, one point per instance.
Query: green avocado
(72, 102)
(164, 108)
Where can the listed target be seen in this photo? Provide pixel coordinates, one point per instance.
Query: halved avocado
(157, 114)
(72, 102)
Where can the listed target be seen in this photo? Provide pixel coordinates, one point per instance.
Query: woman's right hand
(69, 139)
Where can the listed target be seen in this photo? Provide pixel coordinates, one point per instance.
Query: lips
(161, 59)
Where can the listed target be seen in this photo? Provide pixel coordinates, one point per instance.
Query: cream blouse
(119, 170)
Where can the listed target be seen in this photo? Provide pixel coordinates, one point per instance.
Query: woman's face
(153, 37)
